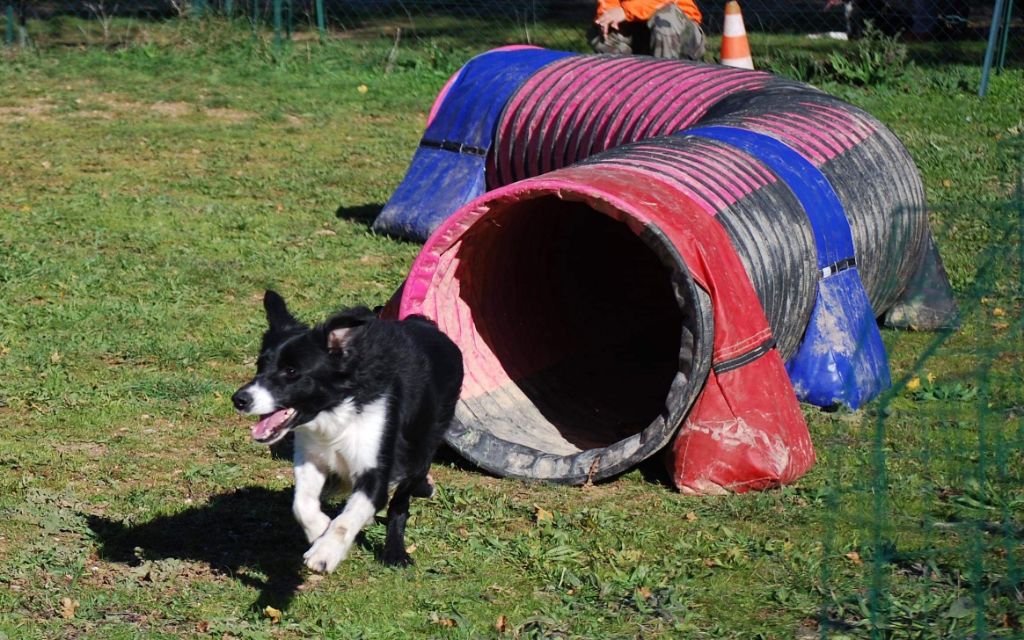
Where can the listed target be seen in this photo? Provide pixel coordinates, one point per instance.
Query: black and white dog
(369, 401)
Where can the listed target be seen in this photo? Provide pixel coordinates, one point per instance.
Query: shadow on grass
(363, 214)
(250, 528)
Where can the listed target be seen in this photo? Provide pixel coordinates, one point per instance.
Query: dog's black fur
(369, 401)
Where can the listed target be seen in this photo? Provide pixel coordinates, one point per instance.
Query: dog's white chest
(346, 440)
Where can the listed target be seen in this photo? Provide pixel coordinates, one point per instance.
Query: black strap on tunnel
(744, 358)
(836, 267)
(456, 147)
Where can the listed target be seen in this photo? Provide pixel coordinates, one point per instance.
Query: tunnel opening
(583, 334)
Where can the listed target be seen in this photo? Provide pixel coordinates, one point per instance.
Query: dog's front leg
(368, 497)
(309, 482)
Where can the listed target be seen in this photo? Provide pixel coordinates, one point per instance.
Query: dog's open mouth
(273, 426)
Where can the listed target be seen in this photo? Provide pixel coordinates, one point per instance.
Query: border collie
(369, 401)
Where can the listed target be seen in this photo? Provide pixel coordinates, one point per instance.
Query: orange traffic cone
(735, 47)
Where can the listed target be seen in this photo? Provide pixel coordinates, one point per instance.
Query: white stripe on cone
(733, 26)
(739, 63)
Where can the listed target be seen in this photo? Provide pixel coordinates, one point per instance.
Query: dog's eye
(290, 373)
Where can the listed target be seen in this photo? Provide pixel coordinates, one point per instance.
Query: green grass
(149, 193)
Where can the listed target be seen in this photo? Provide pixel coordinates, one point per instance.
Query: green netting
(923, 509)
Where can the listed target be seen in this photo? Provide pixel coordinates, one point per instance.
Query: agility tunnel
(669, 258)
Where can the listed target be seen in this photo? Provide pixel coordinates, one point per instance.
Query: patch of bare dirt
(172, 109)
(227, 115)
(93, 449)
(37, 109)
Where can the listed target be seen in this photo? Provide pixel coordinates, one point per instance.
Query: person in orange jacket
(656, 27)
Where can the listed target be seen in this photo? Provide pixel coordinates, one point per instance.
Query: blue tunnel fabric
(452, 154)
(841, 359)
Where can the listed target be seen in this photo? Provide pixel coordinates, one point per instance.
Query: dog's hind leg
(395, 554)
(423, 488)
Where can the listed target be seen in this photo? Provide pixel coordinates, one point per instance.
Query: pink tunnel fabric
(580, 106)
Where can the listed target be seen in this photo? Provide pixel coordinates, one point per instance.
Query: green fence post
(288, 20)
(277, 22)
(229, 8)
(255, 15)
(9, 30)
(321, 19)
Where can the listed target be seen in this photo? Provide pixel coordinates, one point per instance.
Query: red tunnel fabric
(746, 431)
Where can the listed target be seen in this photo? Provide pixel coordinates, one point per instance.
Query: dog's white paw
(326, 553)
(316, 527)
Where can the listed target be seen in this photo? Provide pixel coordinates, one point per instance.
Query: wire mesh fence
(924, 504)
(955, 30)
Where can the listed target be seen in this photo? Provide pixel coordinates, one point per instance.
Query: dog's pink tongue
(265, 427)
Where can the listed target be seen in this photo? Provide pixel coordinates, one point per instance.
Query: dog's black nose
(242, 399)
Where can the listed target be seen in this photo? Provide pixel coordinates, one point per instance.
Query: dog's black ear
(278, 316)
(338, 329)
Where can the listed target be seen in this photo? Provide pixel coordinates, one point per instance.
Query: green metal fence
(957, 28)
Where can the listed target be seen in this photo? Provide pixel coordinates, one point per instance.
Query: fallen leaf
(202, 626)
(501, 624)
(690, 516)
(68, 608)
(998, 312)
(1000, 326)
(411, 549)
(542, 515)
(55, 357)
(644, 593)
(930, 377)
(443, 622)
(854, 557)
(273, 614)
(362, 88)
(947, 183)
(913, 384)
